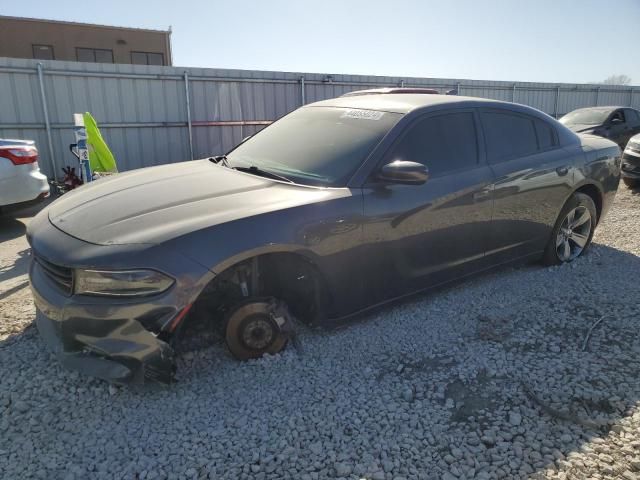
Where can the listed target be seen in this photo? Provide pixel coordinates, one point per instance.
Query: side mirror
(615, 121)
(403, 172)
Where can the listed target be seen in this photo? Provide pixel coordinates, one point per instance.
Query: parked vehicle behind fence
(21, 182)
(618, 124)
(339, 206)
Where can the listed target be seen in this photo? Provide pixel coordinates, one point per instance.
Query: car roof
(603, 108)
(395, 90)
(12, 142)
(405, 103)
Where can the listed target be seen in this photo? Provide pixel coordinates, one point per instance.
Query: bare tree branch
(617, 80)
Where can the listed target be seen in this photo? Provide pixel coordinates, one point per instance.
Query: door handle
(481, 195)
(562, 171)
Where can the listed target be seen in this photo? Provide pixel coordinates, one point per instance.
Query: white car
(21, 181)
(631, 163)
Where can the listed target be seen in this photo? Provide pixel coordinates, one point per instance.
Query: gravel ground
(486, 379)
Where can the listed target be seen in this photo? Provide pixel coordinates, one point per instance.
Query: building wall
(143, 115)
(17, 37)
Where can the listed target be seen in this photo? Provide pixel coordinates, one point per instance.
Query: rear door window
(443, 143)
(508, 135)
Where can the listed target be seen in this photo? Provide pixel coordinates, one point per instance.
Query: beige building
(83, 42)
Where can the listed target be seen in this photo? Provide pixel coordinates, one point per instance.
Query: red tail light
(20, 155)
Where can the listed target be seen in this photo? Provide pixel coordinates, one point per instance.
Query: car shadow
(17, 268)
(11, 224)
(11, 228)
(566, 395)
(635, 191)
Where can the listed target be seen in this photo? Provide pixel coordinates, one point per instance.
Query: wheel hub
(257, 332)
(256, 327)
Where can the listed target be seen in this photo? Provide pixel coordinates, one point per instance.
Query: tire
(631, 182)
(254, 327)
(573, 231)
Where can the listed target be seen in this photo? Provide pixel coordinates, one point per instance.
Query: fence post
(47, 125)
(459, 88)
(303, 96)
(188, 101)
(513, 93)
(597, 95)
(631, 97)
(555, 106)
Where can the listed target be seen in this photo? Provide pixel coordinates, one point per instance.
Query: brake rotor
(255, 328)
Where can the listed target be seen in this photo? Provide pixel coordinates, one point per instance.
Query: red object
(20, 155)
(71, 180)
(174, 323)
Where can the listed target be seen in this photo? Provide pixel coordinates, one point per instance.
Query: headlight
(122, 283)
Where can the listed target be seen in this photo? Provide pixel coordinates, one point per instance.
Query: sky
(573, 41)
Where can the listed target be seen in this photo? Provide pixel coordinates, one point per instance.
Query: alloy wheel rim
(574, 234)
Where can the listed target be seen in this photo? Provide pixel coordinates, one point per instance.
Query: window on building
(443, 143)
(95, 55)
(43, 52)
(147, 58)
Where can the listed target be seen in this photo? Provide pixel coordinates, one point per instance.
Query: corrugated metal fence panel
(142, 110)
(571, 99)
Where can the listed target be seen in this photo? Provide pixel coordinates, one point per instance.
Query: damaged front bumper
(112, 345)
(119, 339)
(126, 353)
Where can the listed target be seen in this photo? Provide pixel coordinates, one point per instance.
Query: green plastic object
(100, 157)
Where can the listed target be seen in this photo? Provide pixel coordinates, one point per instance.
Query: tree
(617, 80)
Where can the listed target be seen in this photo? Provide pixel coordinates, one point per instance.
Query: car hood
(581, 127)
(156, 204)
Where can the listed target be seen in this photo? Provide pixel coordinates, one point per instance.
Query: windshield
(586, 117)
(320, 146)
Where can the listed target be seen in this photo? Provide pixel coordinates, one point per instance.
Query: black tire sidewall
(577, 199)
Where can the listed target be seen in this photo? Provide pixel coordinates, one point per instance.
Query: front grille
(61, 276)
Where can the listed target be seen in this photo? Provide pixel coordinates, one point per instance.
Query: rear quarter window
(546, 135)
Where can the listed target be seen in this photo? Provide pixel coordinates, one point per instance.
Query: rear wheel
(573, 230)
(255, 327)
(631, 182)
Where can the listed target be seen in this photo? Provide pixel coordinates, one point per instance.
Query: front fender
(328, 235)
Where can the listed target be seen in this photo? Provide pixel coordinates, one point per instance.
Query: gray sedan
(338, 207)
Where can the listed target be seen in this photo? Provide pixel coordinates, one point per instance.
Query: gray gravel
(486, 379)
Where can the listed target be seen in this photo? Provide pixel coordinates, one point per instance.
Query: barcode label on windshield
(363, 114)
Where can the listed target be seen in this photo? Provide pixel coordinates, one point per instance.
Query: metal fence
(152, 115)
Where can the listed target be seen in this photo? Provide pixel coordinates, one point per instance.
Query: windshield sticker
(363, 114)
